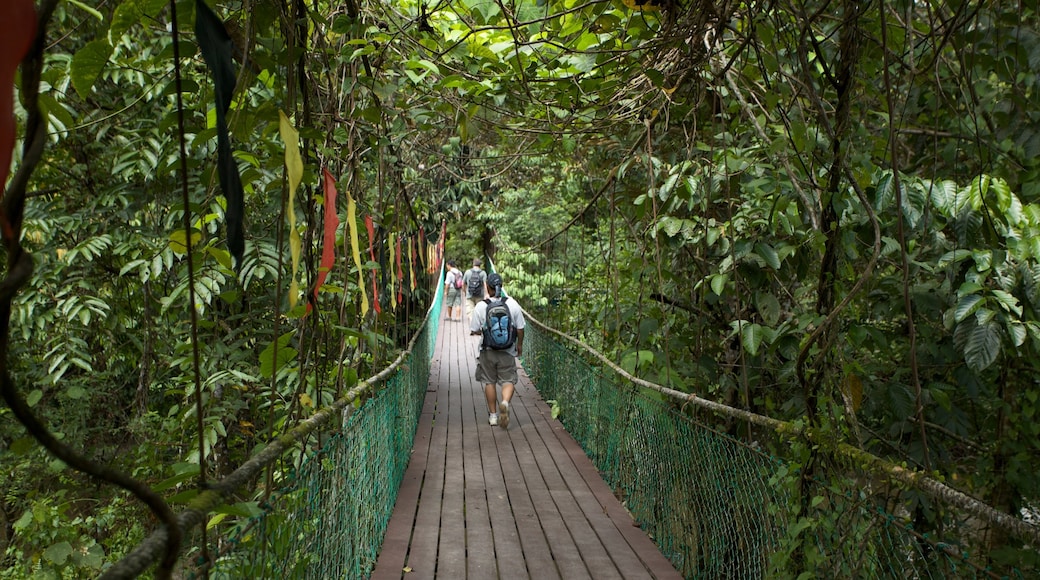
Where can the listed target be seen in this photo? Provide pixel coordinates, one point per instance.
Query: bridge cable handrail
(151, 548)
(869, 461)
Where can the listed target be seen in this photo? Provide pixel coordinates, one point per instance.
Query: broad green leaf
(768, 255)
(178, 240)
(768, 307)
(983, 346)
(76, 392)
(22, 445)
(1008, 302)
(751, 337)
(24, 521)
(215, 520)
(718, 283)
(953, 257)
(285, 354)
(34, 397)
(967, 306)
(1018, 333)
(87, 64)
(58, 553)
(92, 557)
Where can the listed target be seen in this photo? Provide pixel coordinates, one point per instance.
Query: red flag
(17, 31)
(372, 253)
(328, 243)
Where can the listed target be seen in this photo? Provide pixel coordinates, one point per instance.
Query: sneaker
(503, 414)
(492, 419)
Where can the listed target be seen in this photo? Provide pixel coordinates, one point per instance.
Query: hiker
(474, 281)
(453, 285)
(500, 322)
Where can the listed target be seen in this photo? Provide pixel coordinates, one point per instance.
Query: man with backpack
(474, 281)
(453, 291)
(500, 322)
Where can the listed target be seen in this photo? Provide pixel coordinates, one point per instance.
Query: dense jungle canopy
(823, 211)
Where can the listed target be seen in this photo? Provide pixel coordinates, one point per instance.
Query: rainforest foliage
(825, 211)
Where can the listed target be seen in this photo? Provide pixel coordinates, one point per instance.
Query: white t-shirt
(476, 322)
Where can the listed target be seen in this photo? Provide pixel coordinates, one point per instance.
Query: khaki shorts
(496, 367)
(454, 297)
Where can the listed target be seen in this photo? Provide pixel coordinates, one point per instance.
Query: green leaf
(22, 445)
(34, 397)
(967, 306)
(88, 10)
(268, 367)
(24, 521)
(177, 479)
(1008, 302)
(215, 520)
(718, 283)
(223, 257)
(87, 64)
(93, 557)
(768, 255)
(58, 553)
(751, 337)
(953, 257)
(769, 307)
(983, 346)
(178, 240)
(76, 392)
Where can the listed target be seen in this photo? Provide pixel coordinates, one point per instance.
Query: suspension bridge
(599, 475)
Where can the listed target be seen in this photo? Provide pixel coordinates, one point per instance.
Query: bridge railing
(328, 519)
(724, 506)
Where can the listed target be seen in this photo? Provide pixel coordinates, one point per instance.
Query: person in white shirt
(453, 291)
(496, 364)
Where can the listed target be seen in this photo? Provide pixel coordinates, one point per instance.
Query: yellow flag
(352, 224)
(393, 300)
(411, 270)
(294, 172)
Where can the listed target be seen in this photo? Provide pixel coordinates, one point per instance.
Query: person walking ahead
(453, 286)
(474, 281)
(500, 322)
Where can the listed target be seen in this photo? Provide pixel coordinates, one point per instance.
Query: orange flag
(328, 243)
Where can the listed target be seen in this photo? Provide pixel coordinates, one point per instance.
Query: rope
(719, 507)
(848, 453)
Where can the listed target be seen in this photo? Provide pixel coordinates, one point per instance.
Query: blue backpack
(499, 329)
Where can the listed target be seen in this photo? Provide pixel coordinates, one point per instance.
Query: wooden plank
(648, 553)
(505, 535)
(482, 502)
(422, 552)
(611, 542)
(394, 551)
(451, 555)
(557, 475)
(480, 542)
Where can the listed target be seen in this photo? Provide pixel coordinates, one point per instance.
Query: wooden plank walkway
(484, 502)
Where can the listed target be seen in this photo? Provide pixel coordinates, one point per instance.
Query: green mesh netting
(719, 507)
(329, 521)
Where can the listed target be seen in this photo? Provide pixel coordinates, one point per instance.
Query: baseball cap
(495, 281)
